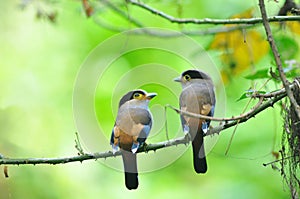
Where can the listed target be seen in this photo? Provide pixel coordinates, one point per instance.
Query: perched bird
(132, 127)
(198, 97)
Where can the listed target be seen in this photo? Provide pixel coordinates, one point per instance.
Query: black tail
(130, 170)
(200, 165)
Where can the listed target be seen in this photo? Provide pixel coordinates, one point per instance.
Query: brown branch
(194, 115)
(150, 147)
(271, 41)
(88, 156)
(244, 23)
(268, 95)
(208, 20)
(162, 33)
(229, 122)
(122, 13)
(169, 34)
(272, 162)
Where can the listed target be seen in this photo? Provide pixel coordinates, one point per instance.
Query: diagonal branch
(271, 41)
(122, 13)
(181, 112)
(259, 109)
(208, 20)
(150, 147)
(244, 115)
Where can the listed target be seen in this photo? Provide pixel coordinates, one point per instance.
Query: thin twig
(261, 98)
(194, 115)
(284, 158)
(266, 104)
(208, 20)
(78, 144)
(271, 41)
(166, 123)
(268, 95)
(238, 121)
(122, 13)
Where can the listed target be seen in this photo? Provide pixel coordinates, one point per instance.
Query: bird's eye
(187, 77)
(137, 95)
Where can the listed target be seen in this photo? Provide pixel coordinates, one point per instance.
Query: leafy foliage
(240, 49)
(249, 93)
(287, 46)
(259, 74)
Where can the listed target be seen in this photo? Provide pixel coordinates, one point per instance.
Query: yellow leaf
(240, 49)
(294, 26)
(225, 77)
(246, 14)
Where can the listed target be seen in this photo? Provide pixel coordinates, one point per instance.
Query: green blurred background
(39, 64)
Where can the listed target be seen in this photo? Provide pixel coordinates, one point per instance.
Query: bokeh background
(39, 63)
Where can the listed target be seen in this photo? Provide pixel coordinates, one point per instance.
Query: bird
(132, 127)
(197, 96)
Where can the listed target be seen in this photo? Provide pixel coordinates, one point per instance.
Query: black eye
(187, 77)
(136, 95)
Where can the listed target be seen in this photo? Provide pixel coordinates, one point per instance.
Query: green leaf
(287, 47)
(250, 93)
(291, 69)
(260, 74)
(293, 73)
(244, 96)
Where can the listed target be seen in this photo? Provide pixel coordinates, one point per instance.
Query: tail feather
(130, 170)
(200, 165)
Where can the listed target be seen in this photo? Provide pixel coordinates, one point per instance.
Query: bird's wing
(199, 99)
(134, 125)
(114, 139)
(133, 120)
(143, 119)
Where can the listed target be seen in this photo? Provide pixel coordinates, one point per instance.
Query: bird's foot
(186, 130)
(115, 148)
(204, 127)
(135, 147)
(143, 147)
(187, 137)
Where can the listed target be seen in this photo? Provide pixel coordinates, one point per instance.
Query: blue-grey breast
(198, 97)
(132, 127)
